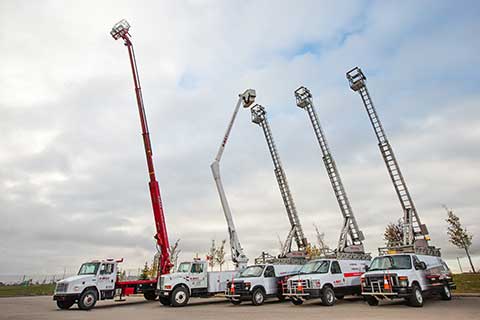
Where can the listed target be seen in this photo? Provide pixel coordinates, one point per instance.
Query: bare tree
(174, 251)
(280, 242)
(393, 235)
(323, 248)
(211, 256)
(459, 236)
(220, 254)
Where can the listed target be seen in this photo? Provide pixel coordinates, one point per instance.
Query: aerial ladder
(259, 116)
(120, 31)
(415, 234)
(238, 256)
(350, 245)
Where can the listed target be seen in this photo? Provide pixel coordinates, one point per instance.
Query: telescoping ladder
(415, 233)
(296, 232)
(351, 237)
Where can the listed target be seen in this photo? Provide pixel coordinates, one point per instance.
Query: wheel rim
(418, 295)
(89, 300)
(329, 297)
(447, 291)
(258, 297)
(180, 297)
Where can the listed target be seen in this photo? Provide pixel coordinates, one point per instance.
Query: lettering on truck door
(106, 277)
(352, 273)
(337, 275)
(198, 277)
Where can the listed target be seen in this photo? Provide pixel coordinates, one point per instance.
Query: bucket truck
(192, 278)
(259, 116)
(238, 256)
(97, 279)
(415, 234)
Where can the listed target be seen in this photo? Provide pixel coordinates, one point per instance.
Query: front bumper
(66, 296)
(395, 292)
(303, 294)
(239, 295)
(162, 293)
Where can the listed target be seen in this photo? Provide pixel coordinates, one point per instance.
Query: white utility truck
(258, 282)
(191, 279)
(97, 280)
(406, 275)
(327, 279)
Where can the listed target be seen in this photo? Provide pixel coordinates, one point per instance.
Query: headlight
(76, 288)
(248, 285)
(403, 281)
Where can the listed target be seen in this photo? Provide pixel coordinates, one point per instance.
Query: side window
(106, 268)
(197, 268)
(269, 272)
(335, 268)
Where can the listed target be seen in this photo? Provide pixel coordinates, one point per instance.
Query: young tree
(174, 253)
(323, 248)
(459, 236)
(145, 272)
(393, 235)
(211, 256)
(220, 254)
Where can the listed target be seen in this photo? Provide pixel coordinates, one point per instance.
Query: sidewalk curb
(465, 295)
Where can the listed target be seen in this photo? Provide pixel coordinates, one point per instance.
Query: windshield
(391, 262)
(89, 268)
(253, 271)
(184, 267)
(315, 267)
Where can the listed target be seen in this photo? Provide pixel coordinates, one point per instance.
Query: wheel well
(258, 287)
(415, 283)
(93, 288)
(327, 285)
(184, 286)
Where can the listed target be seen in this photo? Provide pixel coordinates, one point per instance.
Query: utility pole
(459, 265)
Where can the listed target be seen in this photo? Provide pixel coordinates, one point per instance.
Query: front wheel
(150, 295)
(179, 297)
(416, 299)
(65, 305)
(88, 299)
(258, 297)
(328, 297)
(446, 293)
(164, 301)
(281, 297)
(372, 301)
(296, 301)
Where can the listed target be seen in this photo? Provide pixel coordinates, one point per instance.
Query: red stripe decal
(352, 274)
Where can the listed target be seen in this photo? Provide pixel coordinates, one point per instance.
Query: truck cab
(407, 275)
(191, 279)
(258, 282)
(94, 281)
(327, 279)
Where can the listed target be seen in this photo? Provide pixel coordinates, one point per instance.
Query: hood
(77, 278)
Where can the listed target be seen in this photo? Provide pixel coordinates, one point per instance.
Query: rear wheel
(150, 295)
(297, 301)
(446, 293)
(164, 301)
(416, 299)
(372, 301)
(88, 299)
(258, 297)
(64, 305)
(328, 296)
(179, 297)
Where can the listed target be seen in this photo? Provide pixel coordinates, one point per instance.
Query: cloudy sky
(73, 180)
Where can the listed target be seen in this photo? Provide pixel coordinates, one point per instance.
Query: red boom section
(161, 228)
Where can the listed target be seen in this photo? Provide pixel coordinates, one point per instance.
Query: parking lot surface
(217, 308)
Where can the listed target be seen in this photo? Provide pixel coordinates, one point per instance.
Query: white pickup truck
(327, 279)
(409, 276)
(191, 279)
(258, 282)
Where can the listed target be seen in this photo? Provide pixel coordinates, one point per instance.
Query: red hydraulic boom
(120, 30)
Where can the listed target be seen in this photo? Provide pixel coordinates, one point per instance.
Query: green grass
(467, 282)
(33, 290)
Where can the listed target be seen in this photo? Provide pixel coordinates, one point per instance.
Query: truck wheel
(258, 297)
(88, 299)
(179, 297)
(65, 305)
(372, 301)
(281, 297)
(416, 299)
(328, 296)
(235, 301)
(446, 293)
(150, 295)
(296, 301)
(164, 301)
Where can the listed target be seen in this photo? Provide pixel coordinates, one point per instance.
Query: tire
(296, 301)
(281, 297)
(236, 302)
(446, 294)
(258, 297)
(416, 299)
(328, 296)
(164, 301)
(179, 297)
(372, 301)
(88, 299)
(65, 305)
(150, 295)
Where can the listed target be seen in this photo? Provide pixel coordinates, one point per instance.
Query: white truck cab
(191, 279)
(408, 275)
(327, 279)
(258, 282)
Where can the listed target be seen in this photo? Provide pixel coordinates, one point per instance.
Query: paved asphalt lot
(33, 308)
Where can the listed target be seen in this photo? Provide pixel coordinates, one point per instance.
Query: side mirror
(421, 266)
(366, 268)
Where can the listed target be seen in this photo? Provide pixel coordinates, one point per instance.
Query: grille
(61, 287)
(293, 284)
